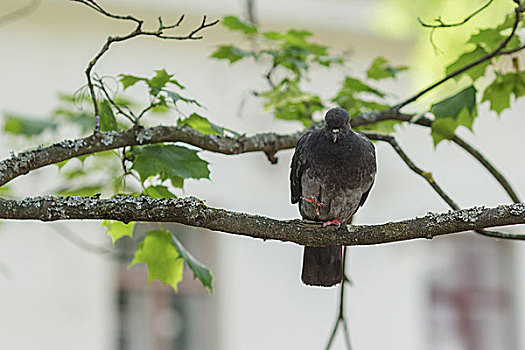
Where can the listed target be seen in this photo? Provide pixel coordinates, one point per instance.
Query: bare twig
(424, 174)
(426, 122)
(488, 56)
(341, 319)
(430, 179)
(128, 115)
(80, 243)
(250, 12)
(493, 171)
(441, 24)
(138, 31)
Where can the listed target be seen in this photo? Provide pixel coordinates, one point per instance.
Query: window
(154, 317)
(470, 295)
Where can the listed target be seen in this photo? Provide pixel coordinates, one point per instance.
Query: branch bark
(194, 212)
(269, 143)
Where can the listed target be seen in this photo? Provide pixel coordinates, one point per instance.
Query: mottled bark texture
(269, 143)
(194, 212)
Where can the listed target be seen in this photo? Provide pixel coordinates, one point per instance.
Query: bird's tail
(323, 266)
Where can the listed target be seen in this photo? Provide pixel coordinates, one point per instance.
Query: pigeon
(333, 169)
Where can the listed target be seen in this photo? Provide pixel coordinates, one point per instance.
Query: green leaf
(443, 129)
(199, 270)
(499, 91)
(468, 57)
(5, 191)
(460, 108)
(289, 102)
(385, 126)
(108, 121)
(18, 125)
(452, 106)
(169, 162)
(230, 53)
(329, 60)
(491, 38)
(82, 160)
(175, 82)
(297, 37)
(202, 124)
(356, 85)
(271, 35)
(159, 81)
(117, 229)
(234, 23)
(354, 97)
(381, 69)
(161, 258)
(129, 80)
(159, 192)
(176, 97)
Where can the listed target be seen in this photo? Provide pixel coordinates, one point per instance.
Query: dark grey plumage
(332, 172)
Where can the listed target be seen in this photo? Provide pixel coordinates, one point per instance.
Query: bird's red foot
(332, 222)
(313, 201)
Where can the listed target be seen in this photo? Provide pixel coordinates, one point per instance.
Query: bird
(332, 172)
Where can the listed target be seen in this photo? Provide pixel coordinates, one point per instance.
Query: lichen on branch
(194, 212)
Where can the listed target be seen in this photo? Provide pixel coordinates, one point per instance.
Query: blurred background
(63, 285)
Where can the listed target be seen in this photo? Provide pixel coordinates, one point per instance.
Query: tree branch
(194, 212)
(424, 174)
(138, 31)
(269, 143)
(496, 52)
(441, 24)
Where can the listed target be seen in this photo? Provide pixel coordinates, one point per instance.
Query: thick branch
(269, 143)
(193, 212)
(27, 161)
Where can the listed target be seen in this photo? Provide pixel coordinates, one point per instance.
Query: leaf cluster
(290, 56)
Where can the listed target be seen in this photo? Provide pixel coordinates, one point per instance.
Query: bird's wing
(369, 162)
(299, 165)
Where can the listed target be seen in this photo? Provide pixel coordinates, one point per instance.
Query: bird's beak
(335, 132)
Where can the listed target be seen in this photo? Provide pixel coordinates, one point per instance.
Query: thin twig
(426, 122)
(148, 108)
(493, 171)
(102, 87)
(341, 320)
(464, 68)
(424, 174)
(441, 24)
(80, 243)
(159, 33)
(429, 178)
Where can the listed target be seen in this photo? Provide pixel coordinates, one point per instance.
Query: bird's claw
(313, 201)
(332, 222)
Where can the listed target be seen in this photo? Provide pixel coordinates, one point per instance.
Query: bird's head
(337, 121)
